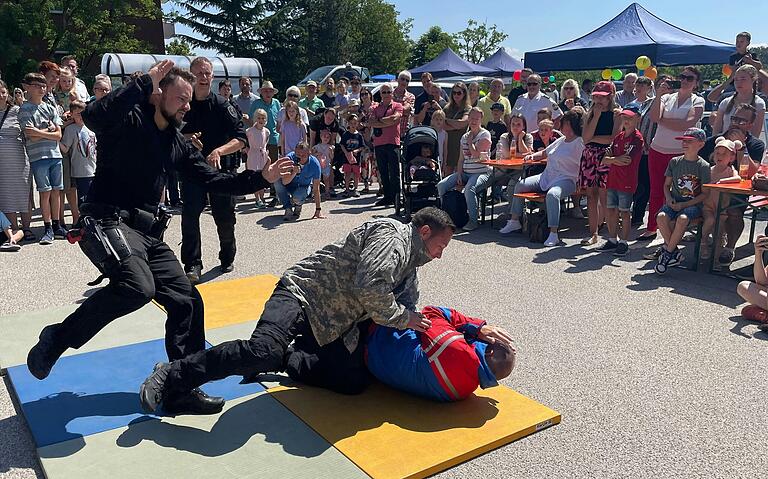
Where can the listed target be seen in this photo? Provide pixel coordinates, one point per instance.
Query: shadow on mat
(233, 429)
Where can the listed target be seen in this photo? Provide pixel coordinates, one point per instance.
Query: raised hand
(158, 72)
(274, 171)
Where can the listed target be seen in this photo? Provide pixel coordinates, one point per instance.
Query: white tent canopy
(118, 65)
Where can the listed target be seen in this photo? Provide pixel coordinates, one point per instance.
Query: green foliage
(429, 45)
(226, 26)
(479, 41)
(178, 46)
(378, 40)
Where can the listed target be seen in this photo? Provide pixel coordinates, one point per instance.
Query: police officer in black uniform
(219, 134)
(121, 230)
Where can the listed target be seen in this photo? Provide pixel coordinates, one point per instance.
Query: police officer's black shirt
(133, 154)
(218, 121)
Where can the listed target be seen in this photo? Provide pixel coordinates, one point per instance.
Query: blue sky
(540, 24)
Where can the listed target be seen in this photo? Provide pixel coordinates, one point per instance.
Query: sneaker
(272, 203)
(355, 193)
(589, 240)
(47, 237)
(689, 237)
(471, 226)
(152, 390)
(726, 256)
(45, 353)
(621, 249)
(227, 268)
(366, 190)
(655, 254)
(59, 232)
(662, 265)
(576, 213)
(512, 226)
(193, 402)
(29, 235)
(288, 215)
(259, 205)
(8, 246)
(755, 313)
(675, 258)
(193, 273)
(384, 202)
(608, 246)
(552, 240)
(297, 211)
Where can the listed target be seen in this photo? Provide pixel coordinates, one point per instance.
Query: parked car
(336, 72)
(414, 87)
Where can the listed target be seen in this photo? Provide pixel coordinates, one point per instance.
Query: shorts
(592, 172)
(350, 168)
(620, 200)
(692, 212)
(48, 174)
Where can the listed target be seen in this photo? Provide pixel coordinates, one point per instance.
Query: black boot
(45, 353)
(193, 402)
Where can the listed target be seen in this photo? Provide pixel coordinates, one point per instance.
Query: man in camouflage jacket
(370, 274)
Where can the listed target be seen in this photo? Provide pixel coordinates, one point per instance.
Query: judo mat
(86, 419)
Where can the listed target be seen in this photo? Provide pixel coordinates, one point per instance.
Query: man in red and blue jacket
(447, 361)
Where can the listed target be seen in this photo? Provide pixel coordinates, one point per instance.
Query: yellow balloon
(642, 62)
(727, 70)
(651, 73)
(606, 74)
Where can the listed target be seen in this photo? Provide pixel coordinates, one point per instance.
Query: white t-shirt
(529, 107)
(81, 90)
(302, 113)
(759, 106)
(664, 140)
(471, 165)
(563, 161)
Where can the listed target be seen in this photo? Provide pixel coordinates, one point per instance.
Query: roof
(121, 64)
(632, 33)
(450, 64)
(504, 63)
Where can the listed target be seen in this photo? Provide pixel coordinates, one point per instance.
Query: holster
(104, 243)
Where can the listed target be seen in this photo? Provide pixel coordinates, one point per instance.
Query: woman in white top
(673, 112)
(745, 82)
(475, 146)
(558, 179)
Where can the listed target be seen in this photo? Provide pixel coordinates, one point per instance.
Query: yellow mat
(389, 434)
(236, 300)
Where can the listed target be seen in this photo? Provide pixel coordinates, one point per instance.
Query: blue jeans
(470, 181)
(554, 194)
(692, 212)
(291, 191)
(48, 173)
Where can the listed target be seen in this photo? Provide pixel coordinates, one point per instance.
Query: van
(336, 72)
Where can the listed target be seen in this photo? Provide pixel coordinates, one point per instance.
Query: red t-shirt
(624, 178)
(391, 134)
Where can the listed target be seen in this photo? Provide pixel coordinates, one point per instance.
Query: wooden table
(743, 188)
(514, 163)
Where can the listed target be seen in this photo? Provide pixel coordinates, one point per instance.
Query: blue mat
(94, 392)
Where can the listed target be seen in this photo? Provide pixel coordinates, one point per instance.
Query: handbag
(760, 182)
(455, 204)
(538, 228)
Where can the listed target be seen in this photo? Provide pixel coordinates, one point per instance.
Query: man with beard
(216, 129)
(121, 229)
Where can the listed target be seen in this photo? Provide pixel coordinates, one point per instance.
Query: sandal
(589, 240)
(29, 235)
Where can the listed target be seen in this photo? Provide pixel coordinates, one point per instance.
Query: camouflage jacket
(370, 274)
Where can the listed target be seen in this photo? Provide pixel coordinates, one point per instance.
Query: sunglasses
(292, 95)
(739, 121)
(568, 88)
(687, 77)
(532, 84)
(402, 79)
(365, 94)
(457, 92)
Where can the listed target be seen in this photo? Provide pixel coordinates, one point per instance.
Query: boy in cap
(496, 126)
(624, 162)
(684, 196)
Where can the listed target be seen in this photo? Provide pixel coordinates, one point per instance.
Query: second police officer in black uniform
(122, 224)
(216, 128)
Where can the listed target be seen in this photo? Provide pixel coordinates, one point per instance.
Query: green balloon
(616, 74)
(551, 78)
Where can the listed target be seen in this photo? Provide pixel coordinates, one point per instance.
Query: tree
(379, 41)
(21, 19)
(479, 41)
(178, 46)
(226, 26)
(429, 45)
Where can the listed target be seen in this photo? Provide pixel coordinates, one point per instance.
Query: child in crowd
(12, 239)
(722, 171)
(496, 126)
(683, 193)
(80, 144)
(423, 161)
(41, 124)
(66, 91)
(258, 157)
(352, 145)
(624, 163)
(342, 99)
(324, 151)
(545, 135)
(292, 129)
(756, 293)
(743, 40)
(438, 123)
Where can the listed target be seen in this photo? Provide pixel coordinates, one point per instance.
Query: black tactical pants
(223, 210)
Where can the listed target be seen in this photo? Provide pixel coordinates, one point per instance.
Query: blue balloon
(640, 72)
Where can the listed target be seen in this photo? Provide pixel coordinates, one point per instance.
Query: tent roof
(450, 64)
(632, 33)
(121, 64)
(502, 62)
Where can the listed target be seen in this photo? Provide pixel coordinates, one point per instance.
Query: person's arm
(483, 145)
(593, 116)
(54, 135)
(668, 192)
(419, 117)
(538, 156)
(694, 115)
(525, 145)
(759, 269)
(66, 142)
(502, 147)
(656, 109)
(714, 95)
(757, 127)
(292, 173)
(717, 126)
(460, 124)
(316, 193)
(232, 146)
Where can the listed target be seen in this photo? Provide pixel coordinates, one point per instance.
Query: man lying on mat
(446, 362)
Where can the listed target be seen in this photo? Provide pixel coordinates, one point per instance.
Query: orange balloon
(651, 73)
(727, 70)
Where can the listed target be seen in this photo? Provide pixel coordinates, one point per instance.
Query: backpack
(538, 227)
(455, 205)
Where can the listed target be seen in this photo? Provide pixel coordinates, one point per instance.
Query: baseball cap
(693, 134)
(354, 102)
(631, 109)
(497, 106)
(604, 88)
(312, 83)
(729, 144)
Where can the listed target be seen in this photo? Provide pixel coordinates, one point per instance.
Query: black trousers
(643, 191)
(172, 185)
(331, 366)
(388, 162)
(151, 272)
(223, 210)
(281, 322)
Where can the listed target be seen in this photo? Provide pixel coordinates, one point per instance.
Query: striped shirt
(471, 166)
(14, 167)
(41, 117)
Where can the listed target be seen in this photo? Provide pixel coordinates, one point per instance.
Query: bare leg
(753, 293)
(681, 223)
(72, 200)
(613, 223)
(46, 201)
(626, 220)
(664, 227)
(734, 226)
(602, 195)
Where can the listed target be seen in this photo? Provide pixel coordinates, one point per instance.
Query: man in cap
(311, 102)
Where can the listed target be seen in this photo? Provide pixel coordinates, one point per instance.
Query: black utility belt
(142, 221)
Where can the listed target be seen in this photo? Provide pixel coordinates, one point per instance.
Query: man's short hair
(527, 70)
(500, 359)
(199, 60)
(32, 78)
(435, 218)
(426, 76)
(224, 83)
(102, 76)
(405, 74)
(177, 73)
(587, 80)
(630, 75)
(302, 145)
(67, 58)
(45, 66)
(644, 80)
(751, 109)
(244, 78)
(76, 105)
(746, 35)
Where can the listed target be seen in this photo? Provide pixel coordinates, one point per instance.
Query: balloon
(545, 79)
(727, 70)
(552, 78)
(640, 73)
(606, 74)
(616, 74)
(642, 62)
(516, 75)
(651, 73)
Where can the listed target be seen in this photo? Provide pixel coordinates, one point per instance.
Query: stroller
(418, 185)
